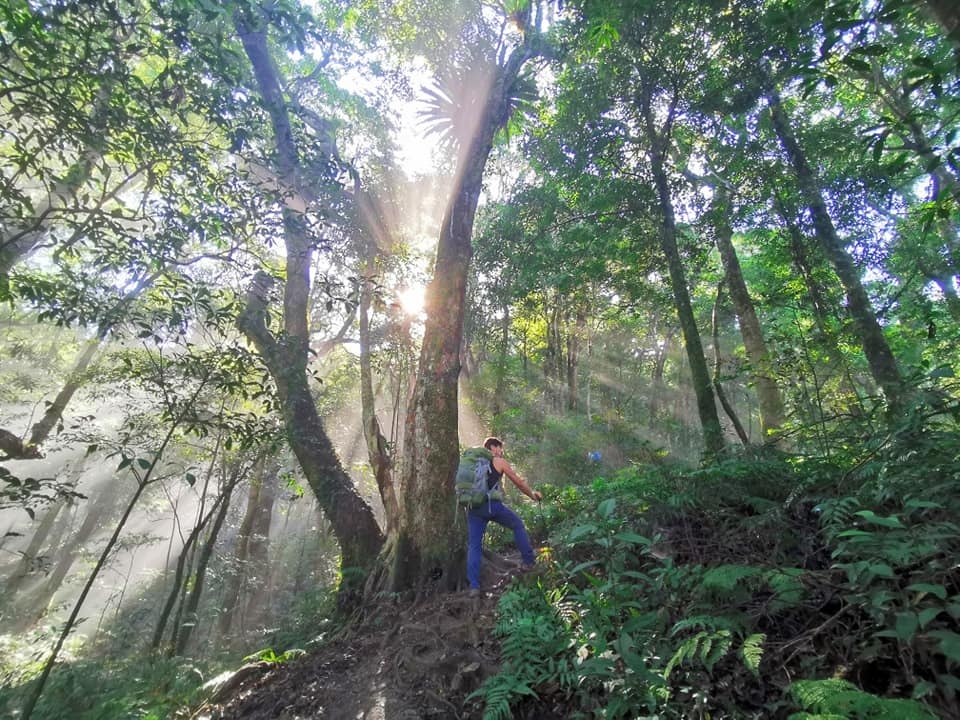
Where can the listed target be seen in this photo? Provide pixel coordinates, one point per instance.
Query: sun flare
(411, 299)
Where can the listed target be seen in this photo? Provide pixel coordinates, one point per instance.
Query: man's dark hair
(492, 442)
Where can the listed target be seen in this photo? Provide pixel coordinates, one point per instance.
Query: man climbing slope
(498, 512)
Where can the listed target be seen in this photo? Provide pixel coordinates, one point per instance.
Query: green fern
(787, 586)
(840, 698)
(725, 578)
(707, 647)
(752, 652)
(706, 622)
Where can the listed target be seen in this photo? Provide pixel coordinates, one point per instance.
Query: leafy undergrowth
(764, 587)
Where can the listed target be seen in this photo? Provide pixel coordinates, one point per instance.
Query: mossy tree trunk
(286, 355)
(427, 552)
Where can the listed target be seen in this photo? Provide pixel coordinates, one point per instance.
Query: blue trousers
(477, 519)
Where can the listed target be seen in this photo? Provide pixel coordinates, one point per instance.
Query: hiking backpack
(473, 476)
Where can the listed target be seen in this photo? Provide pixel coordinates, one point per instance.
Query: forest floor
(397, 663)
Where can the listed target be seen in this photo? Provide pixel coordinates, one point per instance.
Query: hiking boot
(474, 593)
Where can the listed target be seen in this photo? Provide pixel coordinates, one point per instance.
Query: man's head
(492, 442)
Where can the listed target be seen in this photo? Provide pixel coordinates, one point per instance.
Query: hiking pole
(543, 521)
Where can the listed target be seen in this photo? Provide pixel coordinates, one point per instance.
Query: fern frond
(835, 696)
(707, 622)
(727, 577)
(752, 652)
(723, 641)
(707, 647)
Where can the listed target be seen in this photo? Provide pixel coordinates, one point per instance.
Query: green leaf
(633, 538)
(606, 508)
(907, 625)
(939, 590)
(583, 566)
(144, 463)
(891, 522)
(580, 531)
(927, 615)
(881, 570)
(949, 643)
(752, 652)
(856, 64)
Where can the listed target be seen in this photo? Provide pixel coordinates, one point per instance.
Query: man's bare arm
(506, 468)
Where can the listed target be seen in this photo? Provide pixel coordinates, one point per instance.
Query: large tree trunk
(429, 549)
(825, 336)
(761, 369)
(352, 519)
(573, 359)
(553, 370)
(883, 365)
(700, 374)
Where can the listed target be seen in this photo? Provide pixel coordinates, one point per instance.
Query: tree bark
(947, 14)
(658, 141)
(428, 551)
(352, 519)
(883, 365)
(41, 429)
(257, 574)
(761, 369)
(223, 498)
(31, 560)
(235, 581)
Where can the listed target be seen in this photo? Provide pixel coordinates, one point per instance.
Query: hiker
(479, 516)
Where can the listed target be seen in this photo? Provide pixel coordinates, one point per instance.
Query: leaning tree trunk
(883, 365)
(352, 519)
(702, 384)
(428, 552)
(761, 368)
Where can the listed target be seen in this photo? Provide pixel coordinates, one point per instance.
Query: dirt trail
(399, 663)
